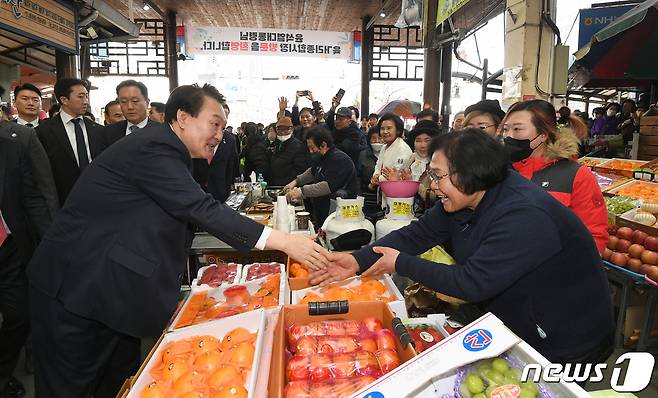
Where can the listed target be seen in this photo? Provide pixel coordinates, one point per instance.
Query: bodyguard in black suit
(22, 207)
(70, 140)
(109, 269)
(134, 101)
(217, 175)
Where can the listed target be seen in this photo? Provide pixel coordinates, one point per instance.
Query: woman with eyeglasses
(485, 115)
(545, 154)
(519, 253)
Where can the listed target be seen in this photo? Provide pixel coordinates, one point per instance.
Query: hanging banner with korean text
(210, 40)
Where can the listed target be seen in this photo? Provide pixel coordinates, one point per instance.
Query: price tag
(401, 208)
(350, 212)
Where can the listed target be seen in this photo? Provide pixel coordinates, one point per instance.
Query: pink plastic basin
(399, 189)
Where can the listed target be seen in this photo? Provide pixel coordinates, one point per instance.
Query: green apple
(474, 384)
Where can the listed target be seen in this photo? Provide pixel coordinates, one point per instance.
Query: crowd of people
(111, 206)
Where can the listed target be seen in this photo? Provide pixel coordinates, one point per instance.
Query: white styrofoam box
(246, 267)
(253, 321)
(398, 306)
(252, 287)
(196, 288)
(262, 383)
(438, 365)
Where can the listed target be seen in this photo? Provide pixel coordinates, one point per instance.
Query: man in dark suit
(40, 165)
(109, 269)
(133, 98)
(70, 140)
(27, 99)
(22, 207)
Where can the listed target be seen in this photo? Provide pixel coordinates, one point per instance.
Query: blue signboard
(594, 19)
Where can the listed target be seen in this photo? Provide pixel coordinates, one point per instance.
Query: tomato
(320, 367)
(344, 388)
(373, 324)
(306, 345)
(236, 295)
(367, 344)
(297, 368)
(322, 390)
(385, 340)
(343, 365)
(243, 355)
(223, 375)
(387, 359)
(295, 332)
(208, 362)
(297, 389)
(153, 390)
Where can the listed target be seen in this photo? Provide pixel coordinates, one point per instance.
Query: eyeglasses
(435, 177)
(482, 126)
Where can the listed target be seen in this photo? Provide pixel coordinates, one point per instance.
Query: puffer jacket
(571, 183)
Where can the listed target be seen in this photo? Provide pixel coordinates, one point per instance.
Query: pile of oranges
(298, 270)
(201, 308)
(627, 165)
(203, 366)
(639, 190)
(368, 290)
(589, 162)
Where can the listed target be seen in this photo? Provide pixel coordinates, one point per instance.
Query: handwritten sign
(252, 41)
(46, 21)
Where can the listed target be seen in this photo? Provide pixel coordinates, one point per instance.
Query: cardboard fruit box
(299, 315)
(218, 294)
(398, 306)
(253, 321)
(296, 283)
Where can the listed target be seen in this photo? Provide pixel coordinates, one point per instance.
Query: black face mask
(518, 149)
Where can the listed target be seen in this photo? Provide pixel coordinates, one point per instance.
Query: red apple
(651, 243)
(634, 264)
(644, 268)
(387, 359)
(297, 368)
(612, 242)
(639, 237)
(650, 257)
(612, 229)
(623, 245)
(624, 233)
(373, 324)
(607, 253)
(635, 250)
(385, 339)
(343, 365)
(320, 368)
(619, 258)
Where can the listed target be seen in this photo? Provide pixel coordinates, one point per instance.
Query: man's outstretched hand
(341, 266)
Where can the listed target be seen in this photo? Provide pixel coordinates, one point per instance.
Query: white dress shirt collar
(141, 125)
(23, 122)
(66, 118)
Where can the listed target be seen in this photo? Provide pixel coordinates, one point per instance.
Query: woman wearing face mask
(545, 155)
(519, 253)
(288, 157)
(368, 158)
(607, 125)
(395, 151)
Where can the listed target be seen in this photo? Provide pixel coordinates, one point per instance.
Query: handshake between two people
(344, 265)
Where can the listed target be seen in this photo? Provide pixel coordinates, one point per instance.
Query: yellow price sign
(350, 212)
(401, 208)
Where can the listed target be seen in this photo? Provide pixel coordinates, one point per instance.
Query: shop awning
(623, 54)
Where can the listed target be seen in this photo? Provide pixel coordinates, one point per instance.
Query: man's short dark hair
(109, 105)
(134, 83)
(226, 108)
(64, 87)
(354, 109)
(158, 106)
(28, 87)
(399, 124)
(476, 160)
(189, 98)
(428, 112)
(320, 134)
(306, 109)
(370, 116)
